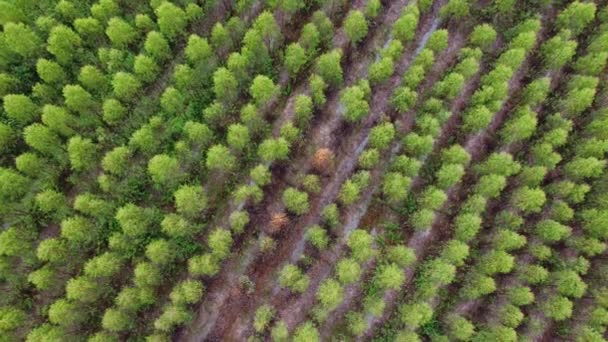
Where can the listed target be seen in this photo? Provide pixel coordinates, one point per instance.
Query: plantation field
(303, 170)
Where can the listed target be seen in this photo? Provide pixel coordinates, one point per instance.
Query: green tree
(551, 231)
(83, 289)
(329, 68)
(21, 39)
(295, 201)
(20, 108)
(348, 271)
(483, 36)
(262, 90)
(291, 277)
(190, 200)
(330, 293)
(104, 265)
(381, 70)
(263, 316)
(113, 111)
(576, 16)
(295, 58)
(558, 308)
(116, 320)
(395, 187)
(389, 276)
(354, 100)
(225, 85)
(360, 244)
(403, 99)
(157, 46)
(306, 332)
(78, 229)
(220, 158)
(126, 86)
(355, 26)
(557, 51)
(203, 265)
(164, 170)
(42, 139)
(134, 220)
(405, 27)
(120, 32)
(271, 149)
(82, 153)
(317, 237)
(220, 242)
(160, 252)
(50, 71)
(198, 50)
(171, 19)
(381, 135)
(416, 314)
(62, 43)
(145, 68)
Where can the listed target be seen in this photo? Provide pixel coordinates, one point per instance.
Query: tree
(389, 276)
(557, 51)
(455, 252)
(50, 71)
(172, 315)
(558, 307)
(116, 161)
(190, 200)
(576, 16)
(432, 198)
(448, 175)
(262, 90)
(295, 201)
(381, 70)
(157, 46)
(422, 219)
(65, 313)
(369, 158)
(198, 50)
(329, 68)
(455, 9)
(145, 68)
(295, 58)
(62, 43)
(360, 244)
(120, 32)
(529, 200)
(355, 26)
(483, 36)
(478, 285)
(405, 27)
(581, 168)
(460, 328)
(403, 99)
(20, 108)
(395, 187)
(416, 314)
(160, 252)
(113, 111)
(317, 87)
(171, 19)
(225, 85)
(348, 271)
(21, 39)
(317, 237)
(116, 320)
(125, 86)
(83, 289)
(382, 135)
(292, 278)
(331, 215)
(103, 265)
(354, 100)
(203, 265)
(551, 231)
(401, 255)
(78, 229)
(467, 226)
(271, 149)
(164, 170)
(438, 41)
(330, 293)
(306, 332)
(134, 220)
(220, 158)
(42, 139)
(569, 284)
(220, 242)
(82, 153)
(263, 316)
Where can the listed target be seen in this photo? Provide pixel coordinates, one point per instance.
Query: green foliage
(295, 201)
(354, 101)
(330, 293)
(171, 19)
(355, 26)
(576, 16)
(263, 316)
(348, 271)
(329, 68)
(262, 89)
(292, 278)
(483, 36)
